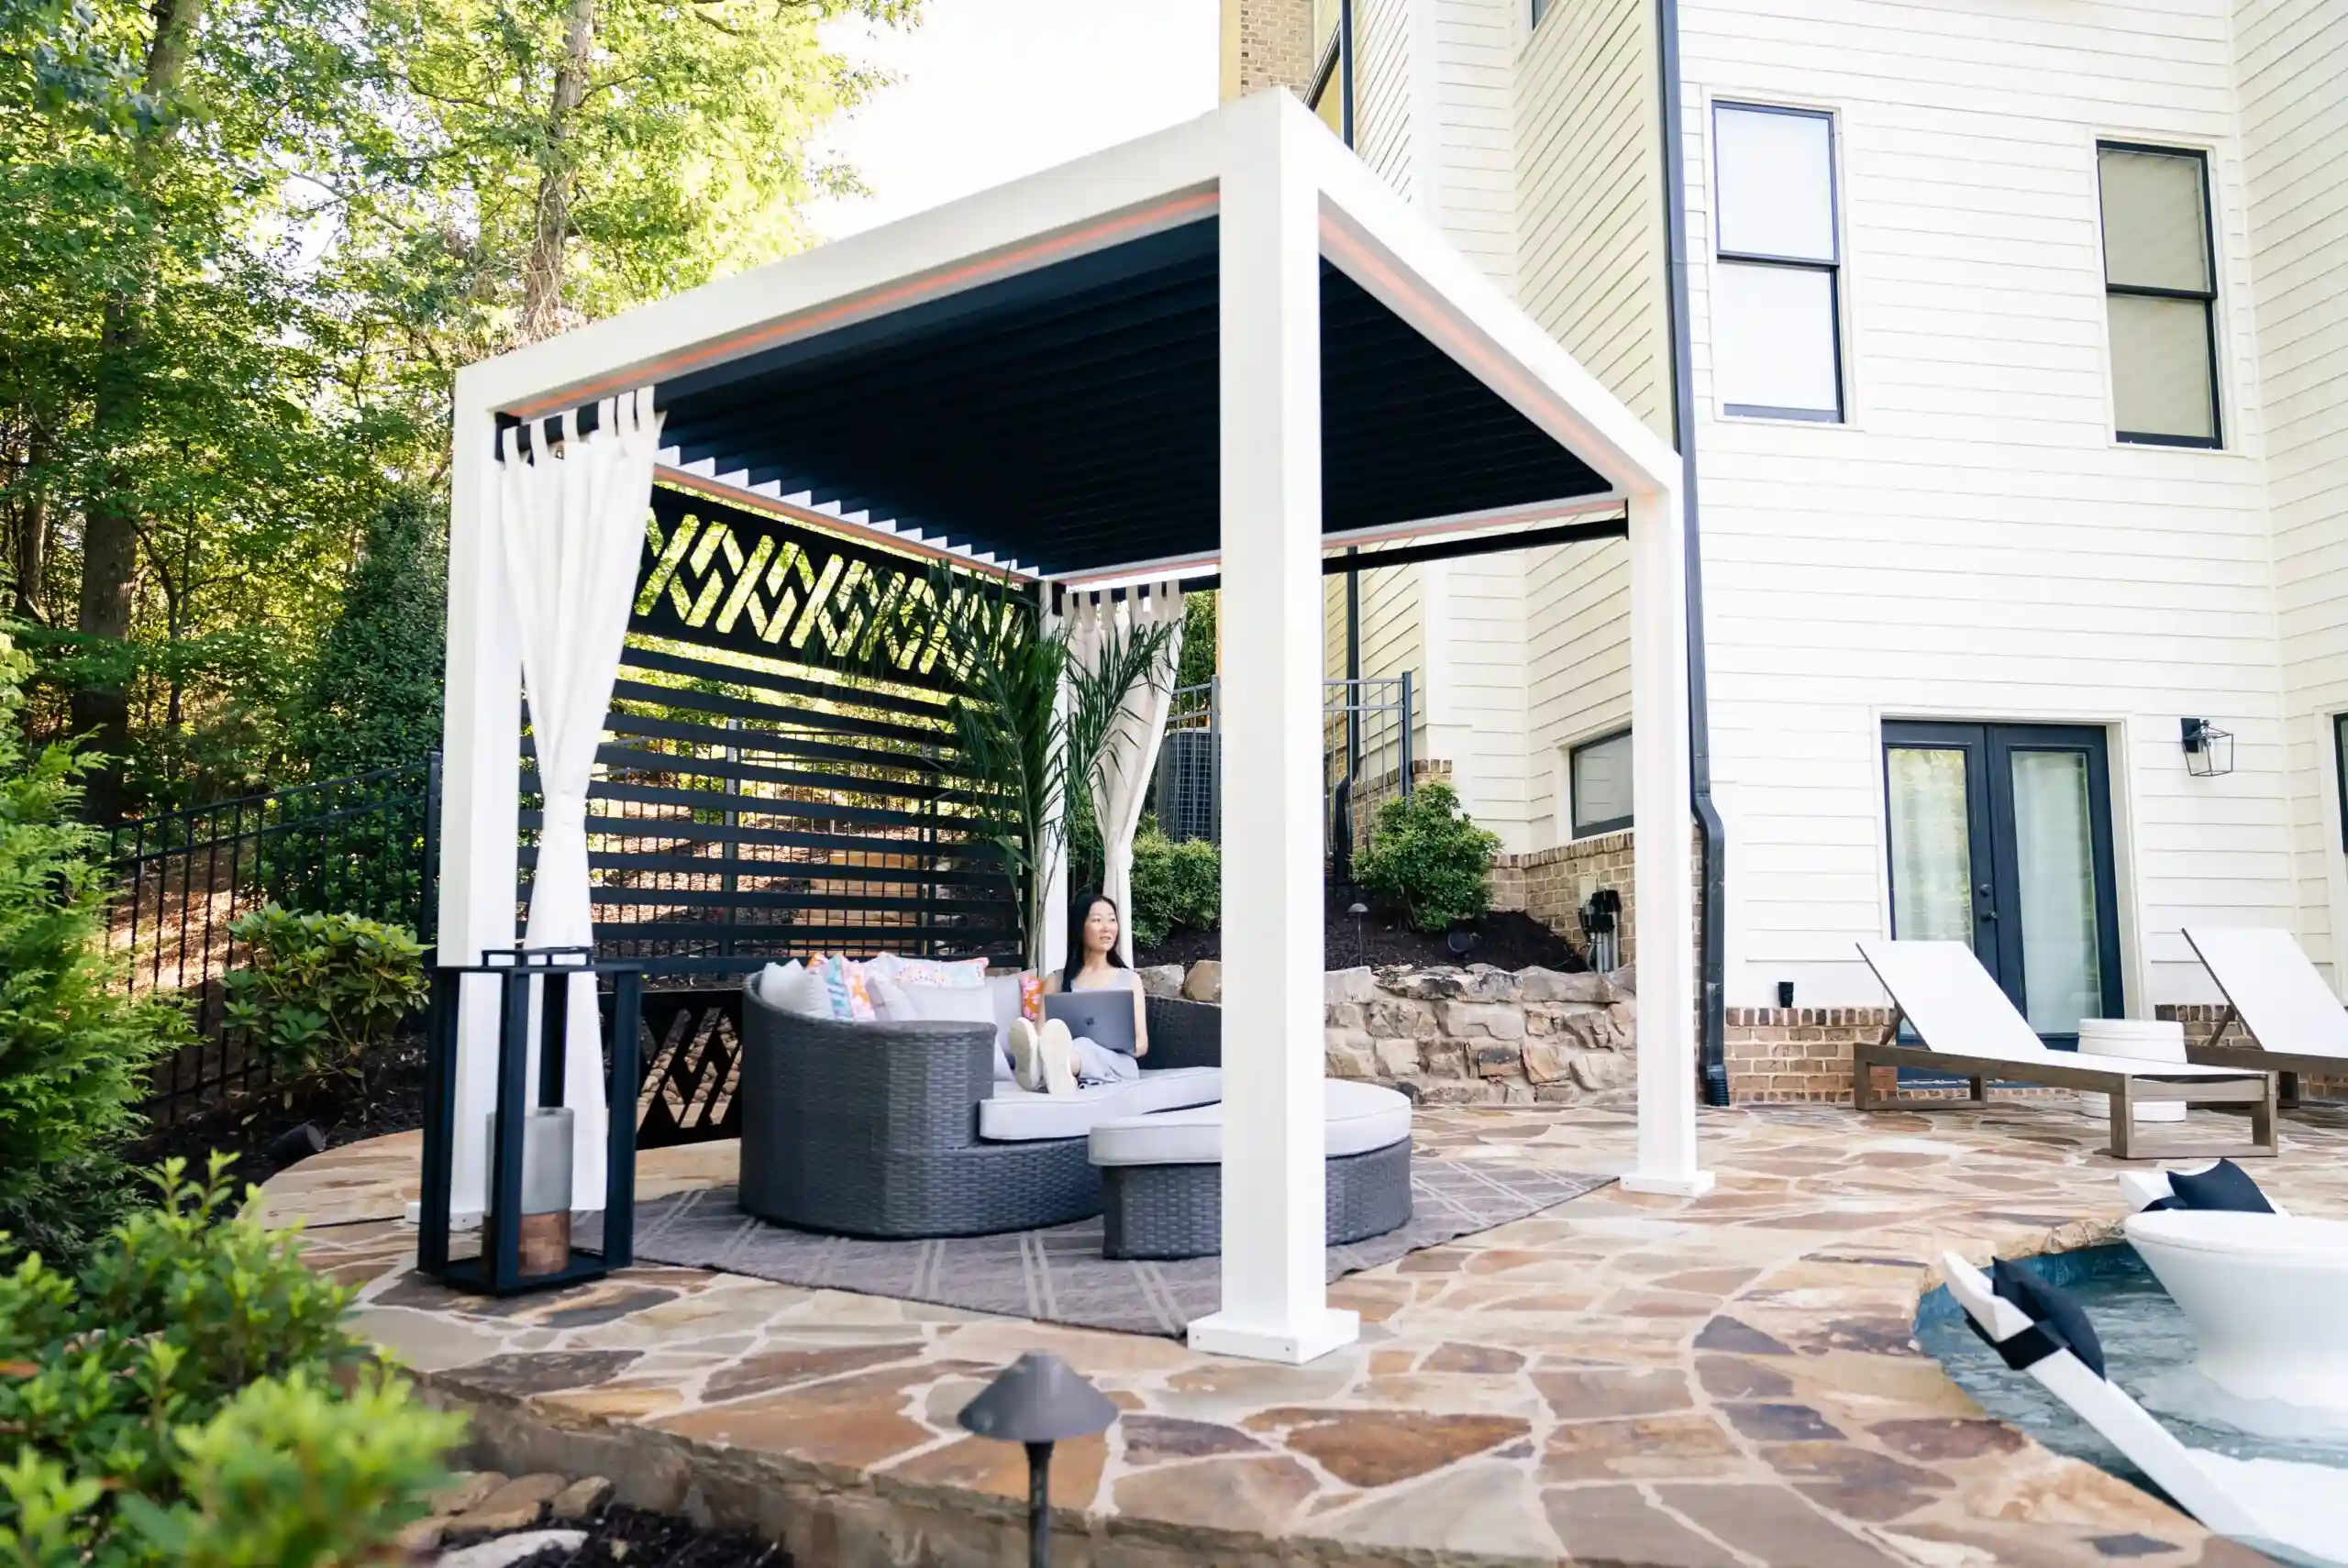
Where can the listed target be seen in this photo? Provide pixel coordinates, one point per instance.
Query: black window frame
(1334, 68)
(2340, 770)
(1575, 827)
(2216, 440)
(1539, 9)
(1832, 266)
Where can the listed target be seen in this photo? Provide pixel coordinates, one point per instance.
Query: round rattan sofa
(873, 1129)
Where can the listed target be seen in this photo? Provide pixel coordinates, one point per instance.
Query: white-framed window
(1777, 274)
(1598, 784)
(2160, 287)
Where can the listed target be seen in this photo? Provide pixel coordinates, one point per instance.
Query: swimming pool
(2148, 1350)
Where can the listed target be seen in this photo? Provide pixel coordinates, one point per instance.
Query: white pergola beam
(1275, 1292)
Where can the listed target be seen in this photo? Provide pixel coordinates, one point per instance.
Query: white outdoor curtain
(571, 524)
(1120, 782)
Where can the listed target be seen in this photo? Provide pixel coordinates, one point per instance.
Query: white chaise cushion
(1358, 1118)
(2283, 1001)
(1015, 1115)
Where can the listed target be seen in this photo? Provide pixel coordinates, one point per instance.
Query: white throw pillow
(951, 1004)
(795, 989)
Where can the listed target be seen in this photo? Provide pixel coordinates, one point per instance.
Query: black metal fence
(359, 845)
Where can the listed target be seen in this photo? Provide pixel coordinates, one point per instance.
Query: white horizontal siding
(1382, 98)
(1476, 203)
(2291, 61)
(1974, 543)
(1590, 269)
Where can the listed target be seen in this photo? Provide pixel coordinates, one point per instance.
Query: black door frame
(1988, 750)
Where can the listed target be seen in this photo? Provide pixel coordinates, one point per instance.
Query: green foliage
(72, 1047)
(317, 989)
(182, 1401)
(244, 249)
(1197, 664)
(1176, 885)
(1425, 854)
(375, 693)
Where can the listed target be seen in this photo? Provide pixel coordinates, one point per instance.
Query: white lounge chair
(2270, 987)
(1969, 1028)
(2298, 1513)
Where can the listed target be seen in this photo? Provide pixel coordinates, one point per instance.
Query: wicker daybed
(876, 1129)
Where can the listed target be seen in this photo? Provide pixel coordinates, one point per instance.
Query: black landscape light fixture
(525, 1236)
(2209, 750)
(1038, 1400)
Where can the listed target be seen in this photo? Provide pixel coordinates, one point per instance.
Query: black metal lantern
(2209, 750)
(1038, 1401)
(526, 1237)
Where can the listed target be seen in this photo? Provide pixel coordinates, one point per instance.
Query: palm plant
(1021, 747)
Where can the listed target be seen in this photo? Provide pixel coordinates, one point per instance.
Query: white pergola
(1285, 197)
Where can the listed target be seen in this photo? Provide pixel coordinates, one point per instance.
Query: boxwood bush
(1176, 885)
(1427, 857)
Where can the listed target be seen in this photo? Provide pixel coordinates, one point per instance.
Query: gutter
(1712, 946)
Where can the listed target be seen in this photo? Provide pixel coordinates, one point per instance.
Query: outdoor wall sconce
(2209, 750)
(1038, 1400)
(530, 1130)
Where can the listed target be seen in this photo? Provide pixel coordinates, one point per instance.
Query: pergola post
(1274, 1293)
(481, 781)
(1665, 866)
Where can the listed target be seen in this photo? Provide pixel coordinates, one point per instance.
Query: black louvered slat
(767, 714)
(912, 704)
(954, 816)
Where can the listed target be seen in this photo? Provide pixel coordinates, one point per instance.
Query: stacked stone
(1480, 1035)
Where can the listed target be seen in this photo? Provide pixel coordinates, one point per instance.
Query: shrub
(183, 1400)
(74, 1046)
(1427, 855)
(317, 989)
(1175, 885)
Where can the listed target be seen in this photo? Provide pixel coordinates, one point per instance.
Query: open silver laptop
(1106, 1018)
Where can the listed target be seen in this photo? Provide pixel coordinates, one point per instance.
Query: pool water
(2148, 1349)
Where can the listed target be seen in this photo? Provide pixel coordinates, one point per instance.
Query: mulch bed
(652, 1541)
(1509, 940)
(388, 1097)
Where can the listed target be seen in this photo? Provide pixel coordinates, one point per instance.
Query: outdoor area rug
(1058, 1275)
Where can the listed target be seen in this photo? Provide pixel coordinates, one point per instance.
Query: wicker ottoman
(1161, 1177)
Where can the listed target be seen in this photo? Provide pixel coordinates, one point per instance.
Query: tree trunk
(28, 560)
(542, 274)
(101, 706)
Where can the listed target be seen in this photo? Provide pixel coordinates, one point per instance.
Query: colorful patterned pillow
(1031, 998)
(953, 973)
(851, 998)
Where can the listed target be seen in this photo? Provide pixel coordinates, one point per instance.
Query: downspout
(1712, 955)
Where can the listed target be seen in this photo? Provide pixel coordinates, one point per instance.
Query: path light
(1038, 1400)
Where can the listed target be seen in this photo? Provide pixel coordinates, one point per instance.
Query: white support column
(1051, 876)
(481, 781)
(1664, 864)
(1275, 1295)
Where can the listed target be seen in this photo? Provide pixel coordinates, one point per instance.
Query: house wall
(1974, 543)
(1587, 133)
(2291, 65)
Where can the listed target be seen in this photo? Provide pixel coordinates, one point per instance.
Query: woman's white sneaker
(1026, 1061)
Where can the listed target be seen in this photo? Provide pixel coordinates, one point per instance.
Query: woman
(1045, 1056)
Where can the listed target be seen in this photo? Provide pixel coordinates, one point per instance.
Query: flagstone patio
(1719, 1382)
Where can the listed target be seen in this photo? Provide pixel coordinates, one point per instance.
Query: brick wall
(1275, 45)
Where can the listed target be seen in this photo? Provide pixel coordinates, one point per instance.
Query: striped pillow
(851, 998)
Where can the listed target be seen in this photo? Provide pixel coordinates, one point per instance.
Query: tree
(374, 694)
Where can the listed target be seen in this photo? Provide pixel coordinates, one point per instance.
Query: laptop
(1106, 1018)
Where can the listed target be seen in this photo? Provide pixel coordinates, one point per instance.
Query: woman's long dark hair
(1078, 912)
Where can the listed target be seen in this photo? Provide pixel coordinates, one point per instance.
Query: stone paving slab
(1628, 1379)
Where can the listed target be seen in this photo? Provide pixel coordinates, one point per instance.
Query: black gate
(779, 779)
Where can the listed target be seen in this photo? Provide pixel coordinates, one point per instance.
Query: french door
(2001, 838)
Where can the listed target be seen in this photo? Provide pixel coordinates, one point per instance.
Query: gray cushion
(1358, 1118)
(1016, 1115)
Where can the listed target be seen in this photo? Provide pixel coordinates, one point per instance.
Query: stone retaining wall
(1475, 1036)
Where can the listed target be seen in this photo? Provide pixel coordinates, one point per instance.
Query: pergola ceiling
(1065, 418)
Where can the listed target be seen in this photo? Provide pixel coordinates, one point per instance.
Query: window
(1599, 781)
(1540, 9)
(1332, 73)
(2340, 763)
(1777, 310)
(2160, 295)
